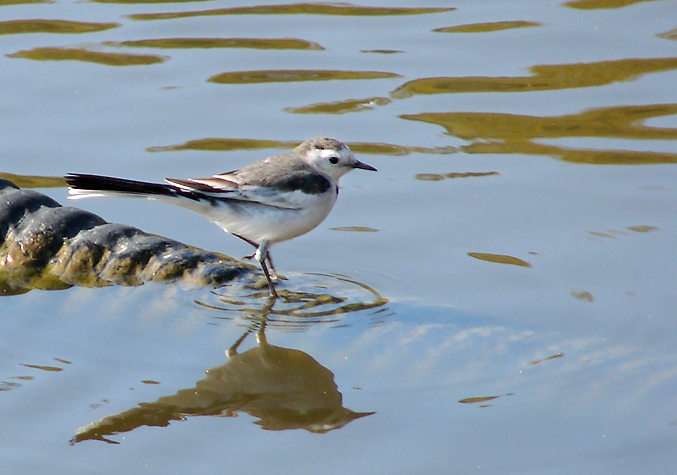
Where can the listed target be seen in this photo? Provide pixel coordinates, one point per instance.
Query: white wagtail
(275, 199)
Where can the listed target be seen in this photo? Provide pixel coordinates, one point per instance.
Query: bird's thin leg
(261, 255)
(272, 266)
(271, 287)
(260, 335)
(273, 273)
(270, 261)
(248, 241)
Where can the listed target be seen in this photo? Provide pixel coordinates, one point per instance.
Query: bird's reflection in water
(282, 388)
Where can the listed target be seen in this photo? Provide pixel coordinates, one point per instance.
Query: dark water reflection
(282, 388)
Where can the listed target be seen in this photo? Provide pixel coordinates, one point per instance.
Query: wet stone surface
(46, 245)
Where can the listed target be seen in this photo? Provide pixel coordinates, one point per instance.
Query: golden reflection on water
(669, 35)
(602, 4)
(231, 144)
(340, 107)
(13, 27)
(487, 27)
(482, 400)
(355, 229)
(580, 156)
(282, 388)
(614, 233)
(452, 175)
(499, 259)
(612, 122)
(554, 356)
(512, 133)
(80, 54)
(344, 9)
(205, 43)
(643, 228)
(583, 296)
(381, 51)
(545, 77)
(295, 75)
(127, 59)
(22, 2)
(225, 145)
(34, 181)
(50, 369)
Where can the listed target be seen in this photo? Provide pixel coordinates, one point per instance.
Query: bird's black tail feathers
(85, 182)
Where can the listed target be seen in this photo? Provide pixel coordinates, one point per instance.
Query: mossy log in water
(49, 246)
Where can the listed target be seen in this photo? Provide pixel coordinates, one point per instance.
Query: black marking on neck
(306, 182)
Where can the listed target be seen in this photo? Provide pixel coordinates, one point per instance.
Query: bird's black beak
(363, 166)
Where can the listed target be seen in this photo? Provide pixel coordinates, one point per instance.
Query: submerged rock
(49, 246)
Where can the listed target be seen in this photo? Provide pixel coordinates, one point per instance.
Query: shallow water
(499, 297)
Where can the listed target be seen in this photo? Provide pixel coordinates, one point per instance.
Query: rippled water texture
(498, 298)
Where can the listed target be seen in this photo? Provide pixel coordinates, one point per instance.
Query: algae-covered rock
(46, 245)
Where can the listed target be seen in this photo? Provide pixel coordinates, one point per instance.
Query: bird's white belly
(267, 223)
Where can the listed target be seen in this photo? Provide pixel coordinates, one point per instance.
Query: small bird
(273, 200)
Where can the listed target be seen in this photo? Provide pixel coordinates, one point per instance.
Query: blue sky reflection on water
(473, 381)
(468, 363)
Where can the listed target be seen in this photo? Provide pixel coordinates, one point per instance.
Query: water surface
(498, 298)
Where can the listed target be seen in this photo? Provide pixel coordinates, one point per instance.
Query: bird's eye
(333, 160)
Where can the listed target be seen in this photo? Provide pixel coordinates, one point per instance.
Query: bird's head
(330, 156)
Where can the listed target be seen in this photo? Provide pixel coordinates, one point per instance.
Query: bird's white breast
(260, 223)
